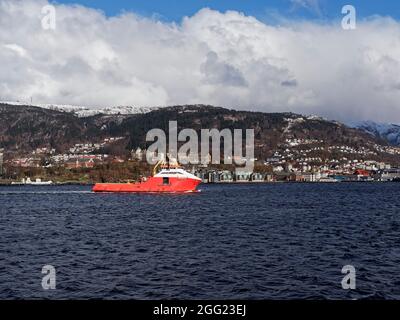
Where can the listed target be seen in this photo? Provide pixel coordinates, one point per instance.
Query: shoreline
(8, 184)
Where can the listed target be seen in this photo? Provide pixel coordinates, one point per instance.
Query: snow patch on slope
(82, 111)
(387, 131)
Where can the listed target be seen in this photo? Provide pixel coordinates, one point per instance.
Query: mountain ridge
(85, 111)
(388, 131)
(25, 128)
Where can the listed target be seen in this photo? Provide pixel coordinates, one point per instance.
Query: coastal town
(295, 160)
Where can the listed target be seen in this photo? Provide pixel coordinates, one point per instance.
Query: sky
(175, 10)
(270, 56)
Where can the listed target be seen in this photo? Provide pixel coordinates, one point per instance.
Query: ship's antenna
(156, 166)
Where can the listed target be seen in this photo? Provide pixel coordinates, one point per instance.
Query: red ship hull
(153, 184)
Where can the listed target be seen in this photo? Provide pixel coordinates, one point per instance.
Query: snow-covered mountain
(82, 111)
(387, 131)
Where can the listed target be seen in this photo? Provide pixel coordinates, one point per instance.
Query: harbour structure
(243, 176)
(257, 177)
(225, 176)
(213, 176)
(202, 175)
(392, 174)
(363, 175)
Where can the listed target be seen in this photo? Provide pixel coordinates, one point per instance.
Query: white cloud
(225, 59)
(16, 49)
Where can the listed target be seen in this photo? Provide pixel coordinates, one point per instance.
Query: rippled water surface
(261, 241)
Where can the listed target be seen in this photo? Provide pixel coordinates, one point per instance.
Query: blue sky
(174, 10)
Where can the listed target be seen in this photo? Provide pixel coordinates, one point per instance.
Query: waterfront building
(309, 177)
(213, 177)
(80, 163)
(363, 175)
(270, 178)
(242, 176)
(278, 168)
(257, 177)
(225, 176)
(389, 174)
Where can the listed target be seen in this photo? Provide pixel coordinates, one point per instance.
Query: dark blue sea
(253, 241)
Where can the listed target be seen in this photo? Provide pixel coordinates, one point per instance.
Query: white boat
(328, 180)
(37, 182)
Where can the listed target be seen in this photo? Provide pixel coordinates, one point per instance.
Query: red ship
(171, 179)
